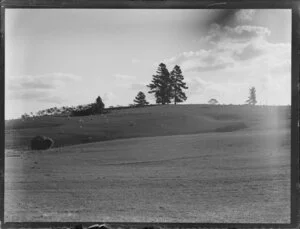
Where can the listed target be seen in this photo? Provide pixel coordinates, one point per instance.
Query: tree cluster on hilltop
(168, 86)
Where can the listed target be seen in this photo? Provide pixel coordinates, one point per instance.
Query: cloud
(36, 95)
(37, 87)
(240, 33)
(248, 52)
(124, 77)
(225, 47)
(135, 61)
(200, 91)
(202, 66)
(245, 15)
(202, 60)
(138, 86)
(108, 96)
(45, 81)
(51, 99)
(234, 58)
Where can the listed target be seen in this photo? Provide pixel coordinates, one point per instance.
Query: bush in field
(41, 143)
(213, 102)
(25, 116)
(91, 109)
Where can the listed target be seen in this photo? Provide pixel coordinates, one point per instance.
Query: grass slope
(144, 122)
(236, 177)
(189, 163)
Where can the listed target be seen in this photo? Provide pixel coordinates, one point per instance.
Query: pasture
(185, 163)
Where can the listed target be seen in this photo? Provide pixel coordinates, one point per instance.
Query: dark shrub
(78, 226)
(41, 143)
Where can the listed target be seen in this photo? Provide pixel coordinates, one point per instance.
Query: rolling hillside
(237, 177)
(188, 163)
(144, 122)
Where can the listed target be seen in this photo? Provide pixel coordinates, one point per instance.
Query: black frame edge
(189, 4)
(2, 114)
(148, 4)
(294, 114)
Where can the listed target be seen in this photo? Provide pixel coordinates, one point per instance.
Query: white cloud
(135, 61)
(38, 87)
(138, 86)
(45, 81)
(227, 46)
(108, 97)
(124, 77)
(241, 33)
(236, 58)
(245, 15)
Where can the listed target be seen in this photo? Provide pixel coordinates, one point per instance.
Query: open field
(174, 164)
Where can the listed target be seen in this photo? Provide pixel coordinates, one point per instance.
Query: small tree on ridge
(252, 96)
(140, 99)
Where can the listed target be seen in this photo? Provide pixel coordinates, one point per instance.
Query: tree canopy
(177, 85)
(161, 85)
(168, 86)
(140, 99)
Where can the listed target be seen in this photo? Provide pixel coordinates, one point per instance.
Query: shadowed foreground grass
(241, 177)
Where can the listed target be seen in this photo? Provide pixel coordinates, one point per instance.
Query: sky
(68, 57)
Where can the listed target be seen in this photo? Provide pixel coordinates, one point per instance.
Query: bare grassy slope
(225, 177)
(144, 122)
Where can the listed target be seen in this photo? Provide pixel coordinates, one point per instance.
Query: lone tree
(99, 105)
(213, 102)
(140, 100)
(177, 85)
(252, 96)
(161, 85)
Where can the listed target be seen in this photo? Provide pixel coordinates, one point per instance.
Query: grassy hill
(214, 164)
(145, 122)
(236, 177)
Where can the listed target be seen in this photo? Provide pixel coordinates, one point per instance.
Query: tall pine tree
(161, 85)
(177, 85)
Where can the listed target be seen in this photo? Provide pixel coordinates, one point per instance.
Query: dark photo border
(166, 4)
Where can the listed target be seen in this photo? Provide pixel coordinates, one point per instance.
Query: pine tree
(252, 96)
(177, 85)
(161, 85)
(99, 105)
(140, 100)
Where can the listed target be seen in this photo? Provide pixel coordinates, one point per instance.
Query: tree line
(166, 86)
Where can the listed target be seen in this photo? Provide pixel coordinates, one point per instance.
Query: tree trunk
(175, 98)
